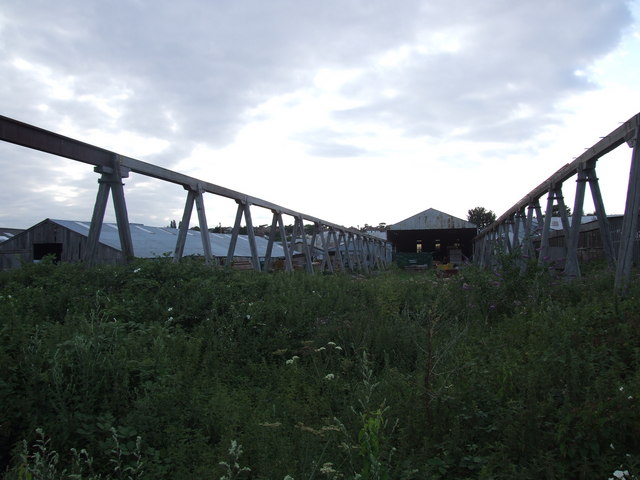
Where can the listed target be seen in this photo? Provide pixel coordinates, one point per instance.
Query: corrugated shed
(150, 242)
(432, 219)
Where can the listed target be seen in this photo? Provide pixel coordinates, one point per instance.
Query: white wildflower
(170, 309)
(329, 376)
(327, 468)
(248, 317)
(331, 344)
(137, 270)
(338, 347)
(321, 349)
(292, 360)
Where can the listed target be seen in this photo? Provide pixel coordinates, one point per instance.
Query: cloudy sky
(354, 111)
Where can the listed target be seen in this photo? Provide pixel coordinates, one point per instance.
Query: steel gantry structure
(338, 246)
(516, 229)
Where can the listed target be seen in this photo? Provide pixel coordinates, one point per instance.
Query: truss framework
(515, 229)
(339, 248)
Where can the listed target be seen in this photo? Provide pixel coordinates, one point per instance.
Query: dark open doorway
(40, 250)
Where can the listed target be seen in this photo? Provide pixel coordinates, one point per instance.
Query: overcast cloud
(353, 111)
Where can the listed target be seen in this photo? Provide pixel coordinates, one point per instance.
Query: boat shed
(447, 238)
(67, 241)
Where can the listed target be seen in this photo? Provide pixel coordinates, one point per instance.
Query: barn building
(67, 240)
(445, 237)
(590, 245)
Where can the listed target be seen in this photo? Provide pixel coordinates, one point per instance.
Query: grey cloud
(203, 65)
(335, 150)
(517, 56)
(328, 143)
(207, 63)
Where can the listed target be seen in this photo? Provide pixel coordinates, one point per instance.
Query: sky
(354, 111)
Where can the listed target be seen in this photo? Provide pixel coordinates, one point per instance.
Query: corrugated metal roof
(149, 242)
(432, 219)
(7, 233)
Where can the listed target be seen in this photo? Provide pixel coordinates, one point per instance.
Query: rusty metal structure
(330, 247)
(516, 229)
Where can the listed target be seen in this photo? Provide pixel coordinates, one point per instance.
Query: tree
(555, 212)
(481, 217)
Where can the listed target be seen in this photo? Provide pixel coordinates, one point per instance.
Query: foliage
(481, 217)
(152, 370)
(555, 212)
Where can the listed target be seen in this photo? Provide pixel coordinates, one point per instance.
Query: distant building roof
(149, 242)
(7, 233)
(432, 219)
(556, 222)
(377, 233)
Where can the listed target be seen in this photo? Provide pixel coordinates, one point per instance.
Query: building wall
(435, 241)
(590, 242)
(50, 238)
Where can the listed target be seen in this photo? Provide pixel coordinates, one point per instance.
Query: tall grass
(506, 374)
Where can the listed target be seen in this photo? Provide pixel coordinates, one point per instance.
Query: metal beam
(624, 133)
(23, 134)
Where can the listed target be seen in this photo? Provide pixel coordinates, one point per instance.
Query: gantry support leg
(527, 250)
(255, 259)
(277, 225)
(204, 228)
(630, 221)
(110, 180)
(288, 261)
(272, 234)
(546, 226)
(572, 267)
(183, 228)
(234, 235)
(603, 222)
(336, 243)
(343, 240)
(298, 227)
(243, 209)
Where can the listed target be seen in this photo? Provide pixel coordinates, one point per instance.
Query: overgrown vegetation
(156, 370)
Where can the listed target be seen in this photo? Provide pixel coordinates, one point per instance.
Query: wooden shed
(67, 241)
(447, 238)
(49, 237)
